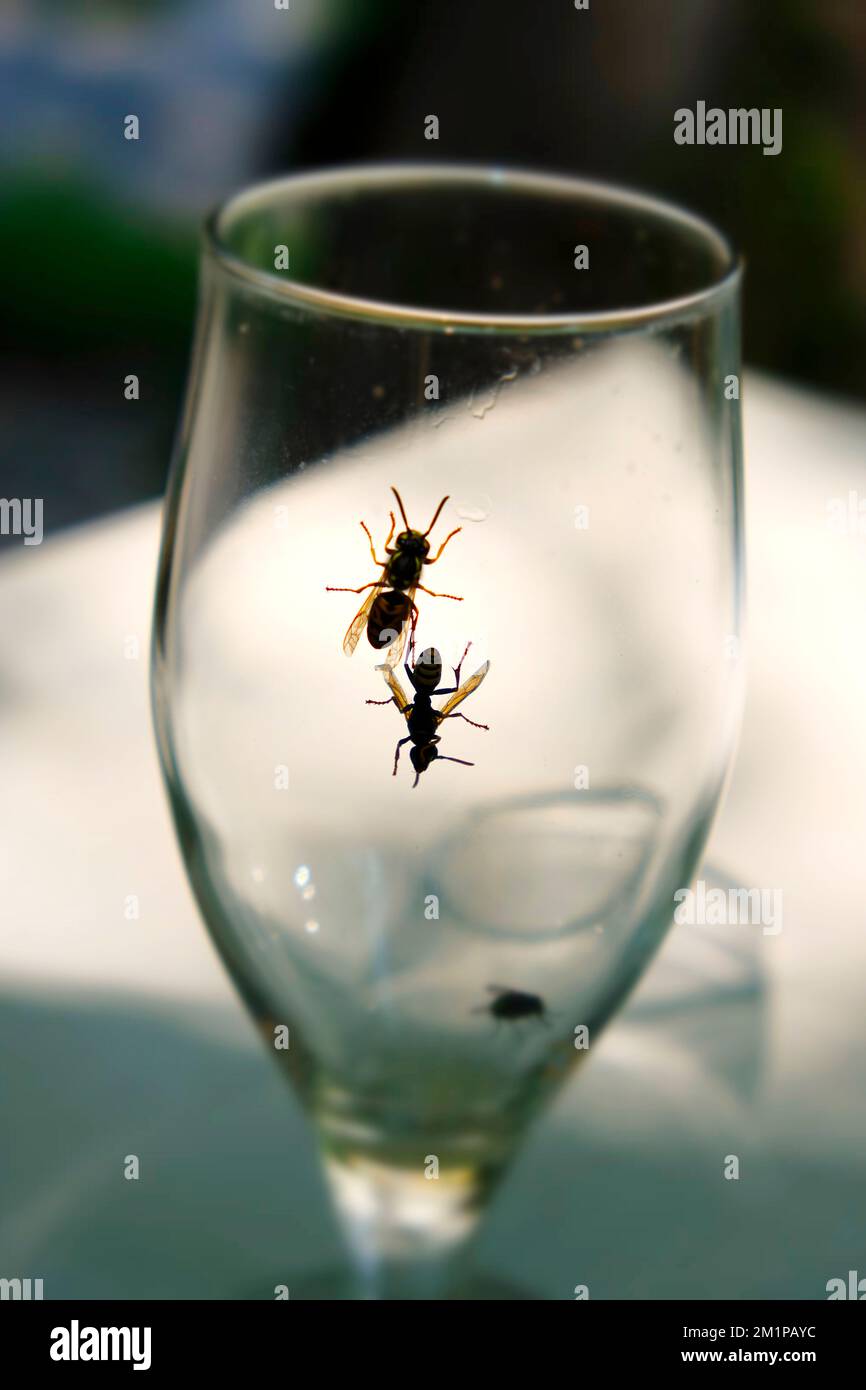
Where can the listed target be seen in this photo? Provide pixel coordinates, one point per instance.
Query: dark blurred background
(99, 233)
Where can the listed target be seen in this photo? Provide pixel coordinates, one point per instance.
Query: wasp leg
(376, 561)
(457, 597)
(459, 667)
(450, 716)
(389, 701)
(329, 588)
(412, 628)
(407, 739)
(443, 545)
(443, 759)
(390, 551)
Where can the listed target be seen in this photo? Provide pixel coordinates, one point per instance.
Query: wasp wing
(395, 651)
(401, 699)
(359, 622)
(460, 695)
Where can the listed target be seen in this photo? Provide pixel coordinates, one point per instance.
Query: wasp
(391, 602)
(422, 719)
(512, 1005)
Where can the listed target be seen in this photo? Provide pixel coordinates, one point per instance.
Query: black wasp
(512, 1005)
(422, 719)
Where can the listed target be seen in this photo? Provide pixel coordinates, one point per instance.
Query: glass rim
(279, 286)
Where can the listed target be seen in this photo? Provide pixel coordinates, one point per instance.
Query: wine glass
(429, 951)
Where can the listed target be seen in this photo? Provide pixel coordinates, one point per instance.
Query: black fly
(512, 1005)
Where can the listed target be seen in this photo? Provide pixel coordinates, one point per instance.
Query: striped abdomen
(390, 611)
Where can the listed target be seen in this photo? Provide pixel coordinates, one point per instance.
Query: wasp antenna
(435, 516)
(402, 508)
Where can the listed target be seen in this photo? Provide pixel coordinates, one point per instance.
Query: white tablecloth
(123, 1036)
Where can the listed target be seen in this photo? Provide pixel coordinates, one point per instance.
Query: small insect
(512, 1005)
(391, 602)
(423, 720)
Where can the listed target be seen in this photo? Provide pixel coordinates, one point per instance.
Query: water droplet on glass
(258, 874)
(482, 402)
(474, 508)
(309, 892)
(312, 927)
(302, 876)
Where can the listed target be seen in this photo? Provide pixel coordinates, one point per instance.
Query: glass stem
(408, 1232)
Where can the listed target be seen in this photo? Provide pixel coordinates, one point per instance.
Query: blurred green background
(99, 234)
